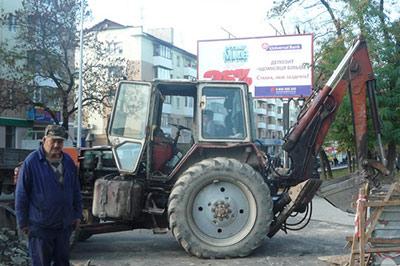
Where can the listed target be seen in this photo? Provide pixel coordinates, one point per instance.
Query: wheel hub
(221, 210)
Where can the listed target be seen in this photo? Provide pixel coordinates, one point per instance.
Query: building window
(162, 50)
(188, 102)
(162, 73)
(189, 77)
(114, 47)
(164, 120)
(271, 107)
(187, 62)
(12, 22)
(10, 137)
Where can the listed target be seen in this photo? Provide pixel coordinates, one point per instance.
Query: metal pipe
(371, 87)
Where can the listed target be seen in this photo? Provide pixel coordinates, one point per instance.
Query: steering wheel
(178, 134)
(179, 127)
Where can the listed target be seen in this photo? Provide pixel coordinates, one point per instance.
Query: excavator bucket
(342, 192)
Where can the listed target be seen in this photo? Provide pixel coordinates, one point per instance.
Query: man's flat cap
(55, 132)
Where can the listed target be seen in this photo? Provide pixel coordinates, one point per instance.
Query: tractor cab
(155, 124)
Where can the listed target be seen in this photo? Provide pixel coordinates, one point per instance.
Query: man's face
(53, 147)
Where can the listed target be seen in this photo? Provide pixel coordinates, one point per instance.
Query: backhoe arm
(305, 138)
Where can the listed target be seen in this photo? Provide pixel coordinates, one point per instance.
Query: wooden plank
(335, 260)
(382, 203)
(377, 240)
(382, 250)
(375, 216)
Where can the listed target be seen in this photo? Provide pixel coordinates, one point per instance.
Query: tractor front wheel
(220, 208)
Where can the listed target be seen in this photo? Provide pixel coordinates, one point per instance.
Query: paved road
(324, 236)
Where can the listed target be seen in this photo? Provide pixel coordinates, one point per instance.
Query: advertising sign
(279, 66)
(39, 114)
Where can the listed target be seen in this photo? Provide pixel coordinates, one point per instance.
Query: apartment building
(150, 55)
(270, 118)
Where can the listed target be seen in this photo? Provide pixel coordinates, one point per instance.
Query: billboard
(278, 66)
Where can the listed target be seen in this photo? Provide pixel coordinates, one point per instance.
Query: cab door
(223, 112)
(128, 124)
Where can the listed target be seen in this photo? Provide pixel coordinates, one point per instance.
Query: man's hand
(76, 223)
(25, 230)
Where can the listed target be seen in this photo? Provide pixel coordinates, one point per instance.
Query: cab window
(222, 117)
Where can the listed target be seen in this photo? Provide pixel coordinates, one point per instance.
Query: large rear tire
(220, 208)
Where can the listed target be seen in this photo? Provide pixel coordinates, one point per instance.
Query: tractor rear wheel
(220, 208)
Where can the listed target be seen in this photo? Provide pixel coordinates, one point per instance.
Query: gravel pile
(12, 250)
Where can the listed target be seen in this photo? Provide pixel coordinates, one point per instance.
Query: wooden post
(362, 212)
(358, 245)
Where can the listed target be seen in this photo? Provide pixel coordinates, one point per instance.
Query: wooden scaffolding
(370, 206)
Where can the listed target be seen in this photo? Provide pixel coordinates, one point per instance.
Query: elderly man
(48, 200)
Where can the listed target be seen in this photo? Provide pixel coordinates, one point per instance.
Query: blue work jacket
(41, 201)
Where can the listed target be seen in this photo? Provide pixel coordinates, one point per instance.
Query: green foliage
(382, 33)
(342, 130)
(328, 57)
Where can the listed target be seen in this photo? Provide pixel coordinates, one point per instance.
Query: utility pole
(79, 133)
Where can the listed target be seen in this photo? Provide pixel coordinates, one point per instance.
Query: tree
(40, 68)
(335, 24)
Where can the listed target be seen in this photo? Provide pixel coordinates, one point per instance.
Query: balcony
(162, 61)
(271, 113)
(260, 111)
(262, 125)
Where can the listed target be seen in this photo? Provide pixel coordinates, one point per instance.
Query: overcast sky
(192, 20)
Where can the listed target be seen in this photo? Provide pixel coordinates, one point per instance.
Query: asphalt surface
(324, 236)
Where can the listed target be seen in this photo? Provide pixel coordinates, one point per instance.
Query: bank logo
(236, 54)
(281, 47)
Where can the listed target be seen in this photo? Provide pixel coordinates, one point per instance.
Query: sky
(192, 20)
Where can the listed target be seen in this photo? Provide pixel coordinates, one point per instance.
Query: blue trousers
(50, 250)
